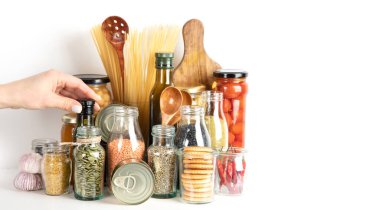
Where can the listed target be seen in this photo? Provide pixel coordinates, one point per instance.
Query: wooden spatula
(196, 66)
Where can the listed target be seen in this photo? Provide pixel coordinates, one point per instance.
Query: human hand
(50, 89)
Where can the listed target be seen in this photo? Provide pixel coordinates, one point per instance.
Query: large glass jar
(98, 83)
(232, 83)
(125, 140)
(56, 169)
(215, 120)
(89, 159)
(192, 129)
(162, 159)
(69, 123)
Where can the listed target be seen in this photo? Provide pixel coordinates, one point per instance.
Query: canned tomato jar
(232, 83)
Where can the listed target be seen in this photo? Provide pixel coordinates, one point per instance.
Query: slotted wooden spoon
(196, 66)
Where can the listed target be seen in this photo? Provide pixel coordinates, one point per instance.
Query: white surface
(314, 108)
(37, 200)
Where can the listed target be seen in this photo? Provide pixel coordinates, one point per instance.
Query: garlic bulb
(30, 163)
(27, 182)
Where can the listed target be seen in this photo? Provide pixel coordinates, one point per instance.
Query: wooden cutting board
(196, 66)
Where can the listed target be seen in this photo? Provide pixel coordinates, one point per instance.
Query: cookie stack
(197, 175)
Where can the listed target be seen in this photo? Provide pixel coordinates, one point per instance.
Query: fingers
(65, 103)
(75, 96)
(77, 86)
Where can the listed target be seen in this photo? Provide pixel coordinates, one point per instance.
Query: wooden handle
(193, 33)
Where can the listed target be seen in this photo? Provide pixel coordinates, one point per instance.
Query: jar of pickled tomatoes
(232, 83)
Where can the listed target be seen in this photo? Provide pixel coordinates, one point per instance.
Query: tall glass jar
(89, 158)
(56, 169)
(232, 83)
(162, 159)
(125, 140)
(215, 120)
(192, 129)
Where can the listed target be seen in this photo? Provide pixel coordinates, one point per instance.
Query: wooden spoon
(196, 66)
(186, 100)
(170, 102)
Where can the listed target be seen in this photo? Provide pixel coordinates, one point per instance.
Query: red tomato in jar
(241, 100)
(235, 110)
(239, 140)
(240, 116)
(231, 138)
(237, 128)
(228, 118)
(226, 105)
(231, 90)
(244, 88)
(238, 144)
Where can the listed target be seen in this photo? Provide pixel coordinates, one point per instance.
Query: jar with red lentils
(234, 87)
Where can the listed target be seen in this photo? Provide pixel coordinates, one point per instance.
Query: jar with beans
(98, 83)
(125, 139)
(89, 159)
(232, 83)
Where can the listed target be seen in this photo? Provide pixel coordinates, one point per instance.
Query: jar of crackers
(196, 172)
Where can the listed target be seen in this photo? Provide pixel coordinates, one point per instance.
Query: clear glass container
(56, 169)
(162, 159)
(125, 140)
(89, 159)
(195, 93)
(191, 130)
(39, 144)
(197, 174)
(216, 124)
(232, 83)
(230, 171)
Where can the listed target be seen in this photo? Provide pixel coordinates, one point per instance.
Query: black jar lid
(93, 79)
(230, 73)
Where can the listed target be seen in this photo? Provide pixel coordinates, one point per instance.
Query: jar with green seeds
(89, 159)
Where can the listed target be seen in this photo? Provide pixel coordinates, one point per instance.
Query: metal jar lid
(106, 117)
(132, 181)
(93, 79)
(230, 73)
(70, 118)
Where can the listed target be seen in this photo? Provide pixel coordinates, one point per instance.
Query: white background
(314, 77)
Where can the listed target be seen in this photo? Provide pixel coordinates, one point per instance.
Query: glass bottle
(191, 130)
(215, 120)
(164, 71)
(69, 123)
(89, 159)
(56, 169)
(162, 159)
(233, 85)
(86, 117)
(125, 140)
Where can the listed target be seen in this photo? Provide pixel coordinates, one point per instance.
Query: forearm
(9, 96)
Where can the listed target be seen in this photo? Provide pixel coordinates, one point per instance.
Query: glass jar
(39, 144)
(232, 83)
(125, 140)
(195, 93)
(192, 129)
(56, 169)
(98, 83)
(197, 174)
(89, 159)
(215, 120)
(69, 123)
(230, 174)
(162, 159)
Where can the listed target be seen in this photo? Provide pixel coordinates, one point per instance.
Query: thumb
(65, 103)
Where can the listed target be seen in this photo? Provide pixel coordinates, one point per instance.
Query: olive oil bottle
(164, 72)
(86, 116)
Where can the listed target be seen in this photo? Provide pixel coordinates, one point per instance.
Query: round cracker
(192, 186)
(190, 171)
(196, 181)
(192, 199)
(197, 161)
(198, 156)
(208, 194)
(198, 166)
(197, 149)
(195, 176)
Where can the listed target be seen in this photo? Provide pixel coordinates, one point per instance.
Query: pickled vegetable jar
(98, 83)
(232, 83)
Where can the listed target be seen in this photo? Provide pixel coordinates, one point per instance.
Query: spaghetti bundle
(139, 60)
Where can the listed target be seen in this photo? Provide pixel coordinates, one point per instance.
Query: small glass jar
(215, 120)
(69, 123)
(191, 130)
(39, 144)
(232, 83)
(125, 140)
(197, 174)
(56, 169)
(89, 159)
(195, 93)
(98, 83)
(162, 159)
(230, 171)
